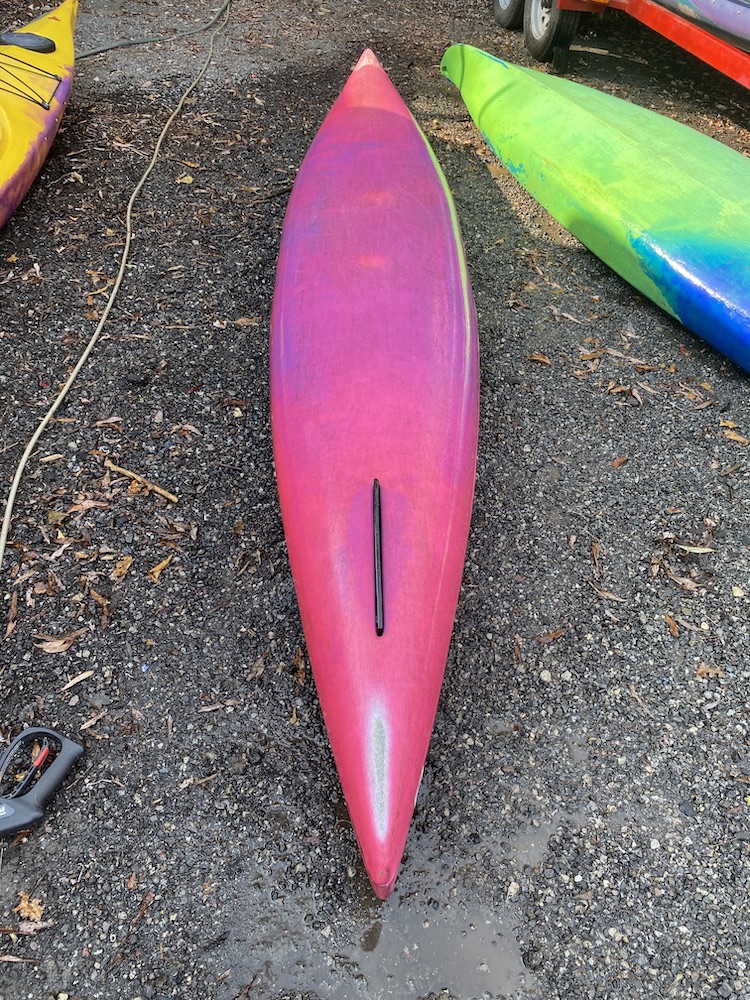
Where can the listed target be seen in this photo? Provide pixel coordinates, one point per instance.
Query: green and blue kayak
(666, 207)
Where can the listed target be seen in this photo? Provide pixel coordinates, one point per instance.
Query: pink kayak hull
(374, 376)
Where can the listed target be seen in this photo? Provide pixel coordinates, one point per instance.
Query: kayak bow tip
(383, 891)
(368, 58)
(382, 865)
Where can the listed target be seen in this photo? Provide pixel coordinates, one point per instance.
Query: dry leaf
(28, 908)
(220, 706)
(734, 436)
(186, 430)
(31, 927)
(143, 908)
(76, 680)
(636, 362)
(682, 581)
(596, 551)
(699, 550)
(58, 643)
(293, 720)
(619, 461)
(540, 358)
(157, 570)
(103, 602)
(559, 314)
(672, 626)
(258, 667)
(12, 614)
(704, 671)
(93, 720)
(606, 594)
(649, 389)
(84, 505)
(299, 666)
(551, 636)
(132, 881)
(634, 694)
(517, 654)
(121, 568)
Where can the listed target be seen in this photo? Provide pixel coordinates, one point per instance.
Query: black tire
(548, 31)
(508, 13)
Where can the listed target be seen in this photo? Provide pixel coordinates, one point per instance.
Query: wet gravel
(582, 830)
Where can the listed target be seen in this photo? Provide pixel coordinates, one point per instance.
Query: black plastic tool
(23, 806)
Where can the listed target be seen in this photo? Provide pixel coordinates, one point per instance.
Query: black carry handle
(27, 40)
(23, 811)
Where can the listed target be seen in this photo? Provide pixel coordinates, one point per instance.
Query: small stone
(533, 958)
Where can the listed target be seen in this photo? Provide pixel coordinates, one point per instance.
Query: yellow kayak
(36, 74)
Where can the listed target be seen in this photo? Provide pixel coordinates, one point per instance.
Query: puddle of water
(423, 939)
(470, 952)
(578, 745)
(397, 951)
(530, 844)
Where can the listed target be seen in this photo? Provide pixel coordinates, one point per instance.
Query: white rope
(115, 289)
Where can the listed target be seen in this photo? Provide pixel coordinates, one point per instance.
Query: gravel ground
(583, 826)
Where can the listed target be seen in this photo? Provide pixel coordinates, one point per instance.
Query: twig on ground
(142, 480)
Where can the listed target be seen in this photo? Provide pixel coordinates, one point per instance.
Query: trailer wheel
(548, 31)
(508, 13)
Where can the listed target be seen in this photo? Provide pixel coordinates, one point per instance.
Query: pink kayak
(374, 407)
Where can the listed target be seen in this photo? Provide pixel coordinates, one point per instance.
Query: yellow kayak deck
(34, 89)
